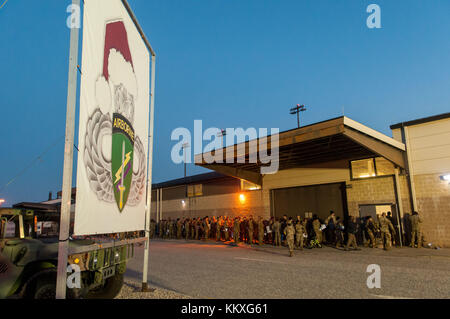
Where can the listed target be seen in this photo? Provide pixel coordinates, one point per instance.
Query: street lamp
(2, 201)
(296, 110)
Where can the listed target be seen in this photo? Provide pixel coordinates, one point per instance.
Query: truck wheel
(45, 287)
(109, 290)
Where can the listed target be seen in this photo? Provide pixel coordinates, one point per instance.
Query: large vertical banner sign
(113, 131)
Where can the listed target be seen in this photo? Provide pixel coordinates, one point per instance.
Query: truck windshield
(9, 227)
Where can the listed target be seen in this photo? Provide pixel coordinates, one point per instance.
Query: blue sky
(231, 63)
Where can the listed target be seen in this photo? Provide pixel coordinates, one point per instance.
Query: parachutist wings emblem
(98, 166)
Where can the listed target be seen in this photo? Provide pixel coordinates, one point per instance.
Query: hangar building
(338, 165)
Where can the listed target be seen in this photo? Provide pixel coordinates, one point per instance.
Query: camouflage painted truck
(29, 254)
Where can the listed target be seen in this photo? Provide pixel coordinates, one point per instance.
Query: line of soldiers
(295, 234)
(383, 229)
(222, 228)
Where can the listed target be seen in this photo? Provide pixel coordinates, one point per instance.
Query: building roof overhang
(337, 139)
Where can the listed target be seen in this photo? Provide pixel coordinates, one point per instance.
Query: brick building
(338, 165)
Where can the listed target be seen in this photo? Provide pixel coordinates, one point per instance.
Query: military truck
(29, 254)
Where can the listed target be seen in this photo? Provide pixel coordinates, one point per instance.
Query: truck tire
(43, 287)
(109, 290)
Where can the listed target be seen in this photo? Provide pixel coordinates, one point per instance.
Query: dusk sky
(230, 63)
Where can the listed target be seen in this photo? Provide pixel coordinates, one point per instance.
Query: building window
(195, 190)
(371, 167)
(363, 168)
(383, 167)
(248, 186)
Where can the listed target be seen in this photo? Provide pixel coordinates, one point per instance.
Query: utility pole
(296, 110)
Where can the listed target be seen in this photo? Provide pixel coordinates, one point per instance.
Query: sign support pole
(149, 181)
(68, 164)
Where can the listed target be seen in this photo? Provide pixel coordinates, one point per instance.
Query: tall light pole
(185, 146)
(222, 134)
(296, 110)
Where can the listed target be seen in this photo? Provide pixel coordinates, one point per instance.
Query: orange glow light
(242, 198)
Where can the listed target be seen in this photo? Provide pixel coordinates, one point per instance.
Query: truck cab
(29, 253)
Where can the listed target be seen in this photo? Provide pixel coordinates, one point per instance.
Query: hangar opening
(305, 201)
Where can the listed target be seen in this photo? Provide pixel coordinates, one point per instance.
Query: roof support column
(412, 187)
(399, 204)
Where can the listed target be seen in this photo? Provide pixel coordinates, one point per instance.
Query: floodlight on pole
(222, 133)
(296, 110)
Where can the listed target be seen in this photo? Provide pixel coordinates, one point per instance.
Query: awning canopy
(336, 139)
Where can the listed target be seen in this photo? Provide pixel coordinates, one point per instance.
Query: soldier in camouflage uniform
(371, 230)
(385, 228)
(316, 227)
(164, 229)
(161, 228)
(206, 228)
(179, 228)
(299, 231)
(216, 222)
(225, 229)
(339, 232)
(250, 230)
(243, 229)
(289, 232)
(260, 231)
(236, 228)
(171, 230)
(330, 222)
(416, 231)
(352, 229)
(187, 228)
(276, 226)
(192, 227)
(197, 228)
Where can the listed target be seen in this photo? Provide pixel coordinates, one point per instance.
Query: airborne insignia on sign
(116, 92)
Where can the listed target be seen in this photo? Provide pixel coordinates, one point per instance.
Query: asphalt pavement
(216, 270)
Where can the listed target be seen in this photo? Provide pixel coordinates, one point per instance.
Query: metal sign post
(150, 149)
(149, 182)
(68, 164)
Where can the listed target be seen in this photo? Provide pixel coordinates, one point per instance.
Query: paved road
(210, 270)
